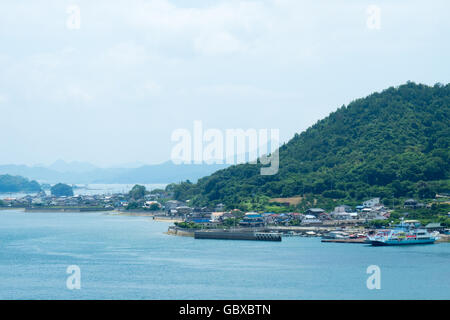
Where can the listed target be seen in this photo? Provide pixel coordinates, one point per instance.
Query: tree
(138, 192)
(62, 190)
(10, 183)
(334, 194)
(425, 192)
(133, 205)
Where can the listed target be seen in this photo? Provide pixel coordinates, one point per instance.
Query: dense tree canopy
(10, 183)
(137, 192)
(62, 190)
(394, 143)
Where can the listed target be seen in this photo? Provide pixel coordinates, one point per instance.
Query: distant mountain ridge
(74, 166)
(82, 173)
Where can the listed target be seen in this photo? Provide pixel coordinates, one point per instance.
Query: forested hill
(10, 183)
(390, 144)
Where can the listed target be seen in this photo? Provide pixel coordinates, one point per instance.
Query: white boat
(402, 234)
(335, 235)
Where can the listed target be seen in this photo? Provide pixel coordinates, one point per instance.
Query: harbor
(143, 262)
(345, 240)
(238, 235)
(405, 233)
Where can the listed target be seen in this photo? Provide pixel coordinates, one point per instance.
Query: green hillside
(10, 183)
(391, 144)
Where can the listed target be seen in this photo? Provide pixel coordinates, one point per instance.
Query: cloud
(125, 54)
(148, 89)
(174, 60)
(218, 43)
(3, 99)
(76, 93)
(177, 30)
(243, 90)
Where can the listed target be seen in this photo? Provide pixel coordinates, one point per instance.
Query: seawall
(237, 235)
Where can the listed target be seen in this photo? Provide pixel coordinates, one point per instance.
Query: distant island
(85, 173)
(9, 183)
(61, 190)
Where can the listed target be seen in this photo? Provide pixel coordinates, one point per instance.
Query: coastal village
(345, 221)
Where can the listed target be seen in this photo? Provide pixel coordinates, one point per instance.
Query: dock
(238, 235)
(345, 240)
(444, 238)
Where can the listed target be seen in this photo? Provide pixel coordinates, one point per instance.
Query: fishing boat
(335, 235)
(402, 234)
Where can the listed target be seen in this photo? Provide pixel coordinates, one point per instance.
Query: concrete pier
(345, 240)
(236, 235)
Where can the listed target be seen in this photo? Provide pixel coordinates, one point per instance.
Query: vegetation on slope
(62, 190)
(9, 183)
(391, 144)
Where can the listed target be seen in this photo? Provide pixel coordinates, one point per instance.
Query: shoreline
(172, 230)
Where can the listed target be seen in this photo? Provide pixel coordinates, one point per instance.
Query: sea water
(123, 257)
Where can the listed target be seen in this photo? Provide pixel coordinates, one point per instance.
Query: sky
(111, 87)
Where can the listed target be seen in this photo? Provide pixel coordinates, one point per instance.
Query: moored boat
(336, 235)
(402, 234)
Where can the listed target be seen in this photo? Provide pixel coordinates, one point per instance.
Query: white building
(371, 203)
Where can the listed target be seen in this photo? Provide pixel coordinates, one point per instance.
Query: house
(151, 197)
(224, 216)
(252, 219)
(371, 203)
(342, 208)
(297, 216)
(315, 212)
(172, 205)
(197, 219)
(368, 213)
(124, 203)
(410, 203)
(342, 212)
(216, 216)
(271, 218)
(284, 218)
(341, 215)
(379, 208)
(183, 210)
(220, 207)
(37, 201)
(434, 227)
(310, 219)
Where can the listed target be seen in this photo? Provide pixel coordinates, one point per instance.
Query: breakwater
(345, 240)
(180, 232)
(237, 235)
(65, 209)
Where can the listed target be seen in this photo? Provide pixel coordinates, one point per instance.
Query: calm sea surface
(123, 257)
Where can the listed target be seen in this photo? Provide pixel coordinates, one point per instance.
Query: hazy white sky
(115, 89)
